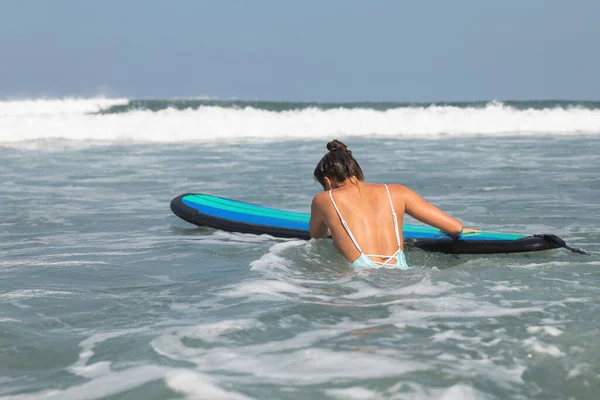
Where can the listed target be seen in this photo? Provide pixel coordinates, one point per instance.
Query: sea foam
(83, 120)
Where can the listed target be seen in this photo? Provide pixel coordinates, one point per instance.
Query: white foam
(214, 332)
(550, 330)
(87, 351)
(236, 238)
(423, 288)
(448, 335)
(9, 320)
(315, 365)
(579, 369)
(61, 107)
(504, 286)
(274, 257)
(70, 119)
(300, 360)
(534, 345)
(32, 293)
(293, 360)
(104, 386)
(353, 393)
(417, 312)
(190, 383)
(263, 290)
(461, 392)
(105, 382)
(410, 391)
(483, 368)
(46, 263)
(198, 386)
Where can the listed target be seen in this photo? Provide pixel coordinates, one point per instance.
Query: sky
(309, 50)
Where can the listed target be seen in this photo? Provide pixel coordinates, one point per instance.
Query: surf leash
(561, 243)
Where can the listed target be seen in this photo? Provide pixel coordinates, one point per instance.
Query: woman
(365, 219)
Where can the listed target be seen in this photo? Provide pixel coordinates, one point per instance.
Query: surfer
(365, 219)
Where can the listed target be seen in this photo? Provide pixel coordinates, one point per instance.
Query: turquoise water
(106, 294)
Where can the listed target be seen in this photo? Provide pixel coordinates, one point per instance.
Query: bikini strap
(394, 216)
(345, 225)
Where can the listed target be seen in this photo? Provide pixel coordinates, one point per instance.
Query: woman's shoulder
(400, 192)
(320, 198)
(397, 188)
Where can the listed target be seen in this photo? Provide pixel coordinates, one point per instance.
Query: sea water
(104, 293)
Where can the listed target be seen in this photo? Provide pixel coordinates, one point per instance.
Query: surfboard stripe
(243, 208)
(231, 214)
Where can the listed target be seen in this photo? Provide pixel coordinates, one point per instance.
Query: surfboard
(237, 216)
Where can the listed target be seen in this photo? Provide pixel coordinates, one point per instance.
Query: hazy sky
(323, 50)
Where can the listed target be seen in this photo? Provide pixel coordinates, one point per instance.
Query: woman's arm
(429, 214)
(317, 226)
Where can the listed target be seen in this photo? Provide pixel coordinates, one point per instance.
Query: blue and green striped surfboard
(236, 216)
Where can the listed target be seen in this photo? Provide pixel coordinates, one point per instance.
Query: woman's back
(367, 211)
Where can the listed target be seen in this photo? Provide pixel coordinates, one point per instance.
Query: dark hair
(338, 164)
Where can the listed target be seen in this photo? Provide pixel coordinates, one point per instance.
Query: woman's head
(337, 165)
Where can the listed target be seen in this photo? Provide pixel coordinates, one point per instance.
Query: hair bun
(336, 145)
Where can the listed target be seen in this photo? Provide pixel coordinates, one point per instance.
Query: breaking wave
(122, 120)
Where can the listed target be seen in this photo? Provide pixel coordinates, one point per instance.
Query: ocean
(105, 294)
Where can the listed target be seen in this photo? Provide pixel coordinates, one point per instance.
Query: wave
(49, 107)
(110, 120)
(183, 104)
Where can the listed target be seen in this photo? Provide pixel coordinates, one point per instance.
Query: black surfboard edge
(447, 245)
